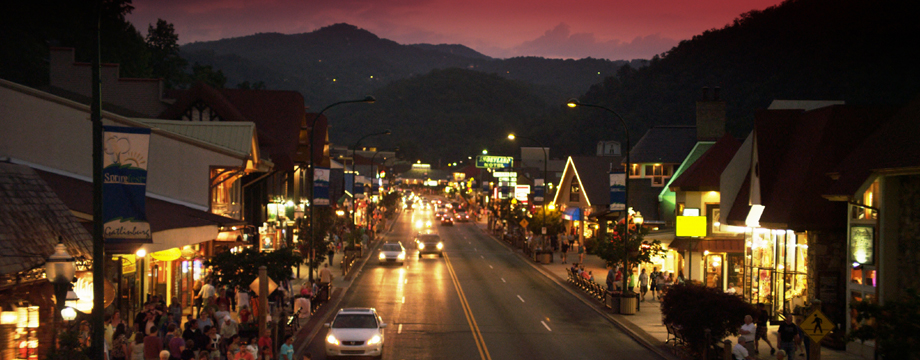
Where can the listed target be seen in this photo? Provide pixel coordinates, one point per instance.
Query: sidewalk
(646, 325)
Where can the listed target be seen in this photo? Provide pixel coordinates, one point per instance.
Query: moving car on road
(463, 216)
(447, 220)
(392, 252)
(355, 332)
(429, 244)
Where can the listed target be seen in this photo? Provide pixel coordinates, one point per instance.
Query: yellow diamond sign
(817, 326)
(524, 223)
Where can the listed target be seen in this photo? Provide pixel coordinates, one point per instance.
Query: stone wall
(827, 257)
(909, 232)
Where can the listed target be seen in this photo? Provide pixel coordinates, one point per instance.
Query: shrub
(893, 325)
(694, 308)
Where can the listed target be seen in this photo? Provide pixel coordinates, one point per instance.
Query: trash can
(628, 303)
(545, 257)
(613, 302)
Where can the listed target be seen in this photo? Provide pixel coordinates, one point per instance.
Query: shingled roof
(894, 146)
(796, 150)
(278, 115)
(664, 144)
(32, 217)
(705, 173)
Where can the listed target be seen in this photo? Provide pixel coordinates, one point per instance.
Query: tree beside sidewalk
(639, 251)
(894, 325)
(242, 268)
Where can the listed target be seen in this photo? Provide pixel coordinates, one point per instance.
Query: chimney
(710, 116)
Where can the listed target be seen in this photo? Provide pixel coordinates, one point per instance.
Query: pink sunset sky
(611, 29)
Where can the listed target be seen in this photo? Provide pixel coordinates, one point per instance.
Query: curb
(306, 334)
(638, 334)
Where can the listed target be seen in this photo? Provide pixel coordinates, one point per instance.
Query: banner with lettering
(124, 185)
(321, 186)
(538, 191)
(617, 191)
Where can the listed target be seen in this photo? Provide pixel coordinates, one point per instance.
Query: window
(658, 173)
(575, 192)
(634, 170)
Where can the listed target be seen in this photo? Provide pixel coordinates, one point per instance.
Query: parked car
(355, 332)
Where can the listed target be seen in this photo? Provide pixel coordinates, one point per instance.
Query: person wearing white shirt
(740, 352)
(747, 332)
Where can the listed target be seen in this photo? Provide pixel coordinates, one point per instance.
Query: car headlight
(374, 340)
(332, 340)
(428, 224)
(418, 224)
(440, 246)
(421, 246)
(382, 256)
(401, 256)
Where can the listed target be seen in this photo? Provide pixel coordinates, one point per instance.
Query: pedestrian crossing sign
(817, 326)
(524, 223)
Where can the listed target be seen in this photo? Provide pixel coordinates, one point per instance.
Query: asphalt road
(480, 301)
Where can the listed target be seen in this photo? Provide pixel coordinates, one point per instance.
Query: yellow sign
(524, 223)
(167, 255)
(817, 326)
(691, 226)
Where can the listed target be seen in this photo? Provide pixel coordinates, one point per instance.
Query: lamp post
(354, 168)
(367, 99)
(545, 161)
(575, 103)
(60, 270)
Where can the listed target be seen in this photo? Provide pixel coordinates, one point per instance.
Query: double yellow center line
(477, 336)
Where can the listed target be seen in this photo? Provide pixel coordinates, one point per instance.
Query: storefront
(776, 269)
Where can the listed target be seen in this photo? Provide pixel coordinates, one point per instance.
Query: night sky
(611, 29)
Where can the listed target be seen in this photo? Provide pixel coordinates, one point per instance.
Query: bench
(674, 336)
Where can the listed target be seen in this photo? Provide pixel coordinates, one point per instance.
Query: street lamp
(545, 161)
(575, 103)
(60, 270)
(367, 99)
(354, 168)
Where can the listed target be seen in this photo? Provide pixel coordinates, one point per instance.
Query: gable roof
(278, 115)
(796, 149)
(664, 144)
(592, 172)
(32, 217)
(893, 147)
(704, 173)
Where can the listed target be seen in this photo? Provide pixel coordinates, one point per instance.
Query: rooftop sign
(493, 162)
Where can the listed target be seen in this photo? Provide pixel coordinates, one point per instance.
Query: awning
(730, 245)
(572, 213)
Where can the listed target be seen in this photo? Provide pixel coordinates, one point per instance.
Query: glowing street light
(572, 103)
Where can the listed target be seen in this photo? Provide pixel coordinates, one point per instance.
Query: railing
(597, 291)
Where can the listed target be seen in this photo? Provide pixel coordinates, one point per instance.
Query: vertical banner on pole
(321, 186)
(124, 185)
(538, 191)
(617, 191)
(350, 183)
(359, 185)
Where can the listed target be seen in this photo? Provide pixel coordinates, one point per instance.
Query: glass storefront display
(712, 272)
(777, 262)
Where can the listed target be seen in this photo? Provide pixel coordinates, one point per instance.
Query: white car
(355, 332)
(392, 252)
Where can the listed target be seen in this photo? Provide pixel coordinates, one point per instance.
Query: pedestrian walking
(761, 334)
(787, 335)
(653, 282)
(565, 249)
(611, 275)
(633, 281)
(643, 284)
(581, 252)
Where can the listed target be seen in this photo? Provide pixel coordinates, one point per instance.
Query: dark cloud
(560, 42)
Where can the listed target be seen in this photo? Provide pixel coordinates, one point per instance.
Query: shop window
(869, 203)
(735, 273)
(713, 271)
(712, 218)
